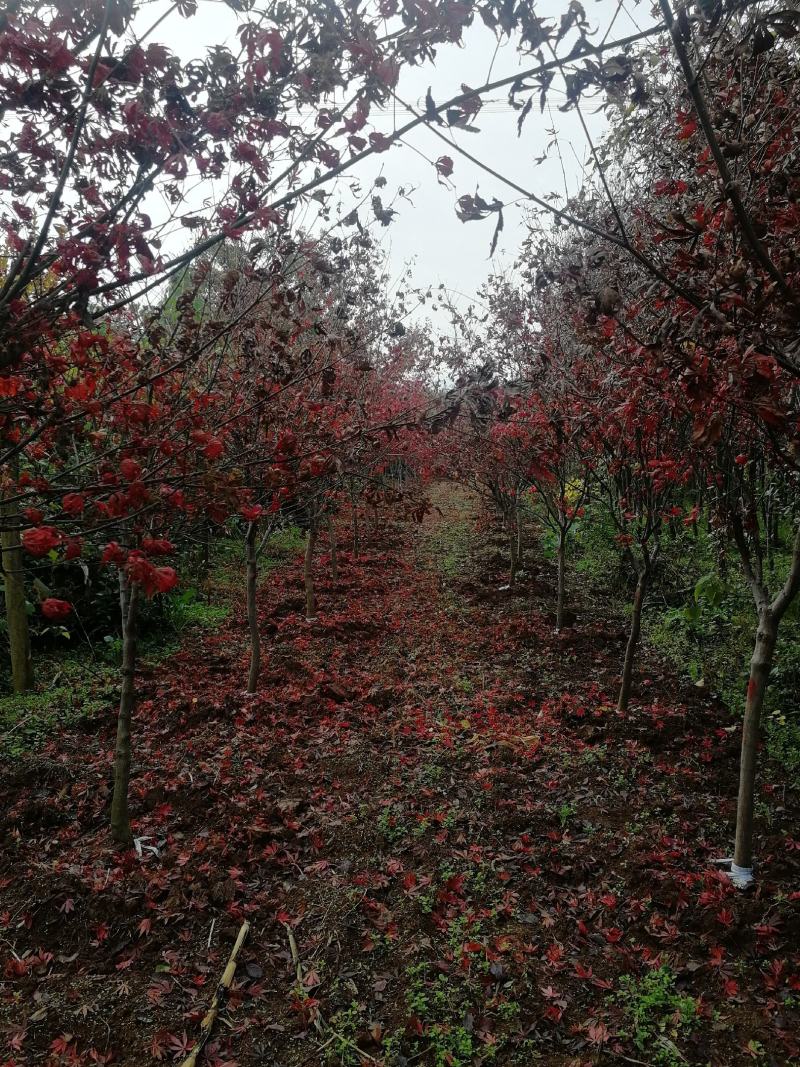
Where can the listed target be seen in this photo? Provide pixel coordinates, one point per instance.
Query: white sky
(428, 234)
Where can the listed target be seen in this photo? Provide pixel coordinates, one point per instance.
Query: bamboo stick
(218, 1000)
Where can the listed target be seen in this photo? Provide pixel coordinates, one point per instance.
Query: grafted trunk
(252, 607)
(308, 571)
(120, 817)
(760, 666)
(16, 614)
(561, 555)
(334, 547)
(633, 642)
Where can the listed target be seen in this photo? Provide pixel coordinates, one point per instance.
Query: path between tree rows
(434, 791)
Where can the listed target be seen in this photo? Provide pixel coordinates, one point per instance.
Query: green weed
(565, 815)
(657, 1015)
(390, 824)
(441, 1006)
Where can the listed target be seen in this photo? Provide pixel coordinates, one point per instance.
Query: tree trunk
(633, 642)
(206, 551)
(123, 603)
(760, 666)
(512, 545)
(16, 614)
(770, 614)
(334, 551)
(561, 579)
(252, 607)
(520, 547)
(120, 817)
(356, 531)
(308, 571)
(774, 532)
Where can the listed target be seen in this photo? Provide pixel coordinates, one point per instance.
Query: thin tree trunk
(760, 666)
(356, 531)
(206, 551)
(774, 533)
(770, 614)
(16, 614)
(561, 579)
(633, 642)
(520, 547)
(334, 547)
(308, 571)
(120, 817)
(512, 548)
(123, 603)
(252, 607)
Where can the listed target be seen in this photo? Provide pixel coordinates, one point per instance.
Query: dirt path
(433, 790)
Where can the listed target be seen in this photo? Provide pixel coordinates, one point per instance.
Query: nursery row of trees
(169, 362)
(649, 349)
(301, 407)
(645, 352)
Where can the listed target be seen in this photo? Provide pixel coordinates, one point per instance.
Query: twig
(336, 1036)
(218, 999)
(298, 970)
(16, 726)
(627, 1059)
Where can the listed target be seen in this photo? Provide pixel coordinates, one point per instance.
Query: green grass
(283, 544)
(448, 546)
(76, 693)
(81, 683)
(782, 734)
(186, 610)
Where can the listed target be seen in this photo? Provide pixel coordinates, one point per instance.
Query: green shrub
(710, 638)
(593, 553)
(782, 734)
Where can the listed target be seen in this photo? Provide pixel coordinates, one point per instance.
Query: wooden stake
(218, 1000)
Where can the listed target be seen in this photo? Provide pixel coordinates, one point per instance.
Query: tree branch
(791, 586)
(58, 192)
(730, 187)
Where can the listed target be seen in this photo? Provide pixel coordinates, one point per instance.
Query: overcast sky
(427, 232)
